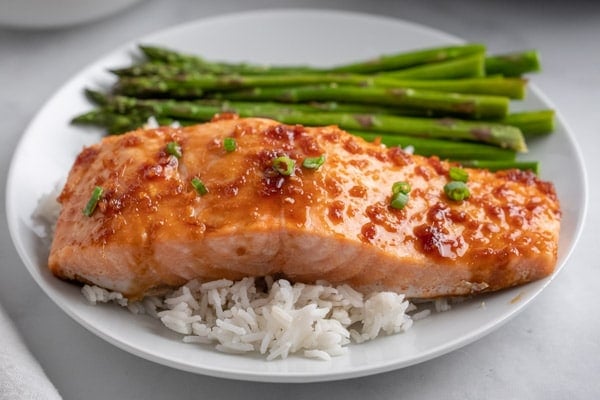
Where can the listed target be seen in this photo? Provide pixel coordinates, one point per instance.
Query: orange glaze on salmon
(151, 230)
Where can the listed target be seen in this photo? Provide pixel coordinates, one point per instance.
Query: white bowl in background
(42, 14)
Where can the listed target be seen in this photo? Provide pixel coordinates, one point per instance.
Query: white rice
(316, 321)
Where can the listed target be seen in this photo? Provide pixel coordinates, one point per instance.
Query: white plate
(50, 144)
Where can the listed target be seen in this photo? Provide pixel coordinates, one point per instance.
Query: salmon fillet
(152, 230)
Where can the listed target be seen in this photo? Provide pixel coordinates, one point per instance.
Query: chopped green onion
(313, 162)
(93, 201)
(458, 174)
(174, 149)
(399, 200)
(229, 144)
(199, 186)
(401, 187)
(457, 190)
(284, 165)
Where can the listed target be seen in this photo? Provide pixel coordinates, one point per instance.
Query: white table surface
(549, 351)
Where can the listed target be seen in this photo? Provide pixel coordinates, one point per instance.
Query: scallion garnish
(400, 192)
(174, 149)
(199, 186)
(457, 190)
(458, 174)
(314, 162)
(229, 144)
(93, 201)
(284, 165)
(401, 187)
(399, 200)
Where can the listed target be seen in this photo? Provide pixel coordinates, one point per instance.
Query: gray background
(550, 351)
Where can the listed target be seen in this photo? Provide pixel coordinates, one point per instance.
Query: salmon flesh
(232, 198)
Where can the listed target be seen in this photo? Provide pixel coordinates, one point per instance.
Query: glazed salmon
(232, 208)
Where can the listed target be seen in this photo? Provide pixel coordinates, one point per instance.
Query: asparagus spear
(474, 106)
(411, 59)
(509, 87)
(454, 68)
(152, 68)
(164, 55)
(168, 69)
(495, 165)
(513, 64)
(210, 82)
(230, 106)
(445, 149)
(532, 123)
(510, 64)
(513, 88)
(115, 123)
(382, 63)
(465, 67)
(497, 134)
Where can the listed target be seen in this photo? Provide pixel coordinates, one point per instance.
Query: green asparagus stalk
(509, 87)
(166, 69)
(496, 165)
(473, 106)
(513, 64)
(445, 149)
(497, 134)
(167, 56)
(115, 123)
(532, 123)
(157, 85)
(152, 68)
(232, 106)
(102, 99)
(411, 59)
(510, 64)
(465, 67)
(163, 54)
(96, 97)
(513, 88)
(382, 63)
